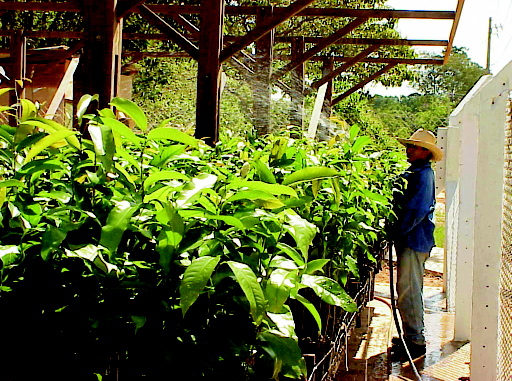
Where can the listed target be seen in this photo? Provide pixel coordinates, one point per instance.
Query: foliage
(402, 116)
(179, 256)
(452, 80)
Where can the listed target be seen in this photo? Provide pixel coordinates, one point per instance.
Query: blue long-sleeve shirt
(415, 209)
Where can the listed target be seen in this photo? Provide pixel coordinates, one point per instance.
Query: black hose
(395, 315)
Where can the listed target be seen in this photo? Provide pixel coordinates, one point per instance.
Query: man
(413, 236)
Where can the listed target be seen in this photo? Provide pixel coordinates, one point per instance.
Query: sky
(471, 33)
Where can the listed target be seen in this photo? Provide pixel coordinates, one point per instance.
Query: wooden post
(19, 60)
(262, 88)
(100, 64)
(297, 94)
(209, 69)
(327, 69)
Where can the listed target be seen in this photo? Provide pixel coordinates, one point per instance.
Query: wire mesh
(505, 306)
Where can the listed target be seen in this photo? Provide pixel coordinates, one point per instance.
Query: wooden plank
(405, 61)
(265, 27)
(61, 90)
(322, 12)
(126, 6)
(328, 67)
(189, 27)
(19, 70)
(98, 70)
(68, 6)
(319, 47)
(209, 69)
(173, 34)
(458, 11)
(361, 84)
(370, 41)
(261, 86)
(365, 53)
(297, 84)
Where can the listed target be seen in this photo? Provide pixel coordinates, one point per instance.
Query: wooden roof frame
(226, 47)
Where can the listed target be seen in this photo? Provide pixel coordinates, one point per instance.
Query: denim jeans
(410, 269)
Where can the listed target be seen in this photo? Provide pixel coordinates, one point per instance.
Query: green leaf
(7, 136)
(360, 143)
(230, 220)
(251, 195)
(174, 135)
(40, 165)
(375, 197)
(284, 322)
(122, 130)
(291, 252)
(288, 360)
(139, 322)
(283, 263)
(194, 280)
(117, 222)
(51, 240)
(251, 288)
(11, 183)
(263, 172)
(28, 109)
(9, 254)
(316, 265)
(301, 230)
(46, 142)
(50, 126)
(132, 110)
(275, 189)
(354, 130)
(309, 174)
(194, 187)
(83, 104)
(164, 175)
(278, 288)
(329, 291)
(311, 308)
(5, 90)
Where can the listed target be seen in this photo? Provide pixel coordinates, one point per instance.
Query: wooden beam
(126, 6)
(98, 70)
(68, 6)
(365, 53)
(261, 85)
(322, 12)
(361, 84)
(458, 11)
(19, 59)
(174, 35)
(61, 90)
(209, 71)
(265, 27)
(319, 47)
(369, 41)
(327, 69)
(297, 84)
(189, 27)
(405, 61)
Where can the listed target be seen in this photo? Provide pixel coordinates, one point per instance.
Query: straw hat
(425, 139)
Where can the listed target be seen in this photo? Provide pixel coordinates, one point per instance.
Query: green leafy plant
(158, 248)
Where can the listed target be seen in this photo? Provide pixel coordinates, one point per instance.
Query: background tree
(454, 79)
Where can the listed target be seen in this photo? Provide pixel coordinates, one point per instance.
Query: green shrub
(179, 257)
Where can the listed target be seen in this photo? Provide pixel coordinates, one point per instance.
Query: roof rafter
(319, 47)
(265, 27)
(361, 84)
(365, 53)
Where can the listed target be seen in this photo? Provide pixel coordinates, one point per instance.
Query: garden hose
(395, 315)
